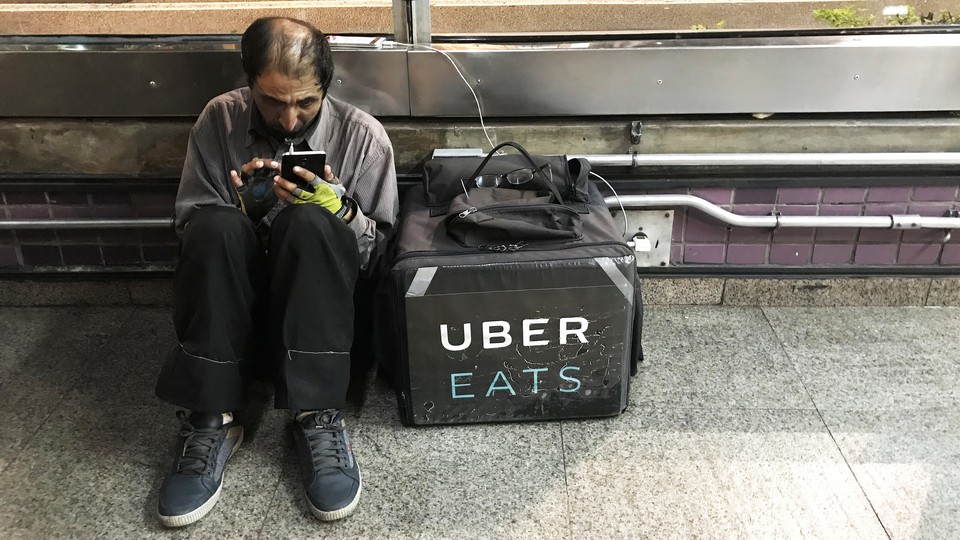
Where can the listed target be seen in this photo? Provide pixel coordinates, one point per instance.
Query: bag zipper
(503, 247)
(496, 207)
(538, 246)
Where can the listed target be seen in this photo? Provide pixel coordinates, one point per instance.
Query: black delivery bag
(474, 330)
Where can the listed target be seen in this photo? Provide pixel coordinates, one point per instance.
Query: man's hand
(252, 183)
(328, 190)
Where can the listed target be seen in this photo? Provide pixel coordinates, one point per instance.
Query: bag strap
(536, 168)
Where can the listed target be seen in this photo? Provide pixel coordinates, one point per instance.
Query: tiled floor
(745, 423)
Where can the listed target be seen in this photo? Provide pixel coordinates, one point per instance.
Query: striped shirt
(358, 151)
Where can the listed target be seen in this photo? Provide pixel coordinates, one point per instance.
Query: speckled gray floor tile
(720, 440)
(874, 358)
(96, 464)
(944, 292)
(682, 291)
(909, 466)
(711, 474)
(826, 292)
(711, 356)
(491, 481)
(43, 353)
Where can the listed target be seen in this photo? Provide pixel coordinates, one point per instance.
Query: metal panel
(797, 75)
(174, 82)
(811, 74)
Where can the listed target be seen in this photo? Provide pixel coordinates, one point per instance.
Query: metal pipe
(22, 224)
(771, 159)
(909, 221)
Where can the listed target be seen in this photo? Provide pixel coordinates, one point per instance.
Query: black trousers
(242, 310)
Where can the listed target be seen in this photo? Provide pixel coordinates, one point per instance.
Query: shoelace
(327, 445)
(198, 448)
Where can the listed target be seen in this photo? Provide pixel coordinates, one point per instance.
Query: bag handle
(536, 169)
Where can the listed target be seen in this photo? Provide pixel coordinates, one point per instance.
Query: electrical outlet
(650, 233)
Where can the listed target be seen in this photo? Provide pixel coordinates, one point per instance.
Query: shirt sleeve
(204, 180)
(377, 203)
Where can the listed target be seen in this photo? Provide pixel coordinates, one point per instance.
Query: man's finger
(329, 176)
(249, 167)
(235, 178)
(283, 188)
(258, 163)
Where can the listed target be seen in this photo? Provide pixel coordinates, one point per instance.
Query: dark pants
(241, 310)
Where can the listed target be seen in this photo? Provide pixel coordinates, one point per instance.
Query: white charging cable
(622, 209)
(460, 73)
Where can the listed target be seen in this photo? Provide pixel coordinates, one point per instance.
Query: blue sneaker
(192, 487)
(329, 472)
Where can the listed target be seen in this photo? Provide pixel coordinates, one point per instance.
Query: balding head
(293, 48)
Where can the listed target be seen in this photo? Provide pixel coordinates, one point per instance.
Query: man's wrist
(347, 212)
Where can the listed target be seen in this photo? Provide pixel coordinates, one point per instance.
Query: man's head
(289, 68)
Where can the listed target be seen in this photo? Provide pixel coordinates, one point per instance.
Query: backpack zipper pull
(516, 247)
(467, 212)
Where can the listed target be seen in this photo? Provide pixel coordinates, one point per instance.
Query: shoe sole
(338, 514)
(205, 508)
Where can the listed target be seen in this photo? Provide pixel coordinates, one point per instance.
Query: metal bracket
(952, 213)
(636, 131)
(411, 21)
(776, 214)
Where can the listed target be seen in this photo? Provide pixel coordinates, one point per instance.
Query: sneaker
(330, 474)
(192, 487)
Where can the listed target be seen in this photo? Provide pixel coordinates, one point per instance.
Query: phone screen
(311, 161)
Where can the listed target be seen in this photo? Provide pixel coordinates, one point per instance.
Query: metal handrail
(893, 221)
(132, 223)
(773, 159)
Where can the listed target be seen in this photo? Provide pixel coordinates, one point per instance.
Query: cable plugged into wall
(476, 98)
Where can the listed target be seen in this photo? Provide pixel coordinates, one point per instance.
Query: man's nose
(288, 119)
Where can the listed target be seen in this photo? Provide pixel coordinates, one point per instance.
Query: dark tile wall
(90, 249)
(697, 239)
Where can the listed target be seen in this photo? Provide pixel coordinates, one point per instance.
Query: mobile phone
(311, 161)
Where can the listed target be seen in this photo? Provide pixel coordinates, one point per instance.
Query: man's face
(287, 105)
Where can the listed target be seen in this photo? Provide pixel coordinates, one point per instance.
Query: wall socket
(650, 233)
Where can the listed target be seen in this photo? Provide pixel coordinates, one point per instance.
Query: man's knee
(308, 216)
(311, 221)
(224, 223)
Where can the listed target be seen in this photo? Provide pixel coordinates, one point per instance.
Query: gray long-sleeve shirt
(358, 151)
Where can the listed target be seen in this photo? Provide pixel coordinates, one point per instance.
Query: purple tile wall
(699, 239)
(919, 253)
(746, 254)
(876, 254)
(799, 195)
(936, 193)
(700, 229)
(843, 195)
(833, 253)
(951, 254)
(703, 253)
(888, 194)
(790, 254)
